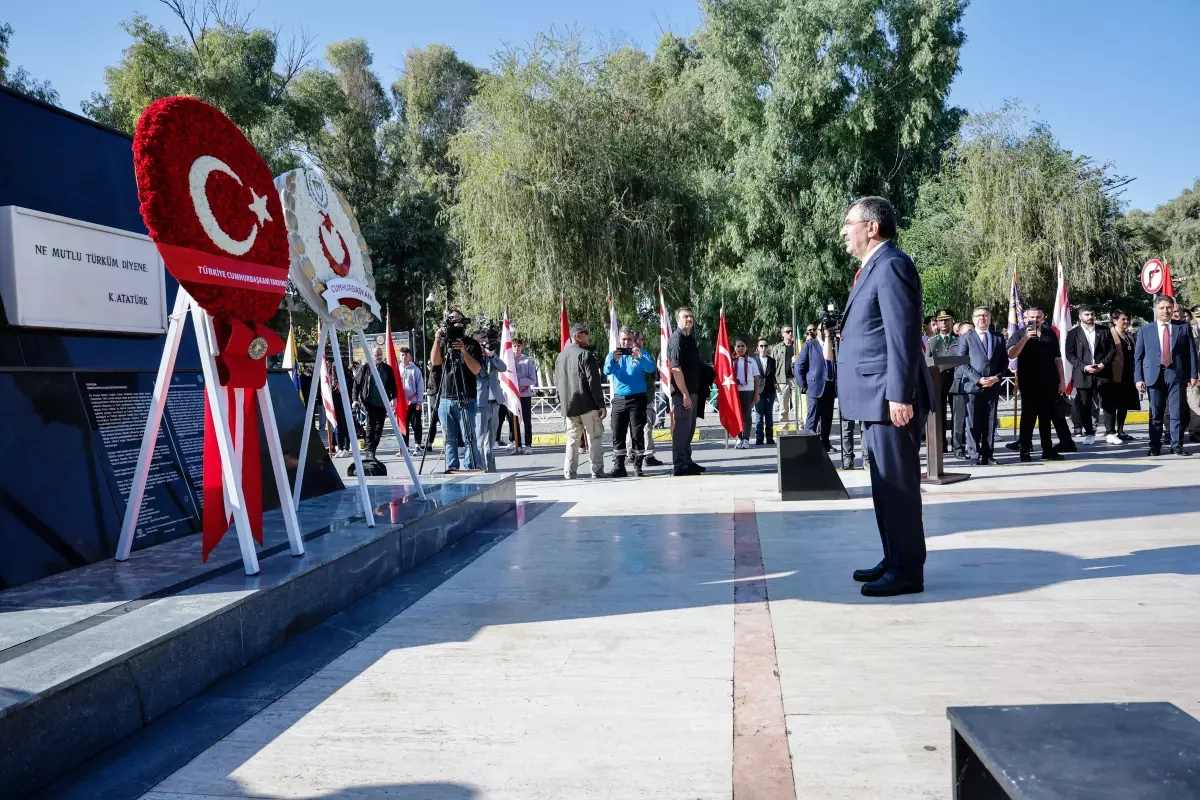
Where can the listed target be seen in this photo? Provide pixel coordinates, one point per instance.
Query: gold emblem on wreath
(257, 348)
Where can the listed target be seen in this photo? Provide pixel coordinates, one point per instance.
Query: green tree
(572, 182)
(19, 78)
(1171, 233)
(819, 102)
(1010, 196)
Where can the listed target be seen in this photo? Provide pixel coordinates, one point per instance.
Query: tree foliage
(20, 79)
(1171, 233)
(819, 102)
(1010, 196)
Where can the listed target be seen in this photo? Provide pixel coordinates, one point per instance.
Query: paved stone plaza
(607, 646)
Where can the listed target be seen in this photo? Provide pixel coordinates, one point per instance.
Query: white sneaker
(1089, 440)
(1112, 438)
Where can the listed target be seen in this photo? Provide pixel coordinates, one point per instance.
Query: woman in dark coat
(1119, 395)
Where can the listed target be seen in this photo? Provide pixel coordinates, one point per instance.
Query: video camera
(452, 329)
(492, 333)
(831, 318)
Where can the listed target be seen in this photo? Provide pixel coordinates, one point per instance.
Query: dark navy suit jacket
(979, 365)
(1147, 353)
(881, 358)
(810, 370)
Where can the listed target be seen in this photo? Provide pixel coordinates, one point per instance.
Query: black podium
(805, 471)
(934, 430)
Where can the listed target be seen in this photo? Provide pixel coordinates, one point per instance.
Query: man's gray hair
(578, 328)
(880, 210)
(981, 308)
(628, 331)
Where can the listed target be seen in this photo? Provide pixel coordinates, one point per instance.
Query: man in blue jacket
(1164, 366)
(884, 383)
(979, 382)
(628, 366)
(815, 373)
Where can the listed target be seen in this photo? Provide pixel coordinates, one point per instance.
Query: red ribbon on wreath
(211, 207)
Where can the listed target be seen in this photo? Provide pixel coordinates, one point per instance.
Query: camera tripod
(452, 367)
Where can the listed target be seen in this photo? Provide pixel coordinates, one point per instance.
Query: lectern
(934, 425)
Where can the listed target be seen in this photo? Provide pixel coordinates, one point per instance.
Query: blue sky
(1113, 78)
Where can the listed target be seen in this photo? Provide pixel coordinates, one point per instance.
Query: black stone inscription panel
(118, 405)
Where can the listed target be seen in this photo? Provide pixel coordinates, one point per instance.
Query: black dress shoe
(651, 461)
(697, 468)
(1013, 446)
(873, 574)
(980, 461)
(1067, 447)
(771, 442)
(1154, 451)
(890, 586)
(1179, 451)
(1053, 455)
(683, 473)
(1025, 456)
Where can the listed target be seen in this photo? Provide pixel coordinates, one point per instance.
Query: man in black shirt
(456, 411)
(685, 385)
(1040, 379)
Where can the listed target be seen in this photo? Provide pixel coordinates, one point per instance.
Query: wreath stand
(231, 457)
(325, 332)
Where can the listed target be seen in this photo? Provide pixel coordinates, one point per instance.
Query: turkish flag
(1168, 287)
(401, 397)
(728, 408)
(564, 327)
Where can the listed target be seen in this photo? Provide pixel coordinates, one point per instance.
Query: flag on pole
(612, 342)
(728, 408)
(664, 337)
(1061, 323)
(564, 327)
(291, 358)
(401, 404)
(1014, 314)
(1168, 286)
(326, 384)
(510, 394)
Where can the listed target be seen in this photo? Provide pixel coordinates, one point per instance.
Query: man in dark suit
(764, 410)
(979, 383)
(884, 383)
(1090, 351)
(1164, 366)
(815, 372)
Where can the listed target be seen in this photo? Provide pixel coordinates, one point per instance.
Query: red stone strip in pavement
(762, 766)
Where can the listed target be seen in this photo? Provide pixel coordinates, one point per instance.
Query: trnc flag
(564, 327)
(291, 358)
(1061, 323)
(401, 405)
(728, 408)
(326, 384)
(509, 391)
(612, 341)
(1014, 314)
(664, 336)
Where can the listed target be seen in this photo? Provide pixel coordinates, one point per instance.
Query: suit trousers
(846, 430)
(958, 422)
(896, 494)
(1082, 414)
(628, 415)
(681, 434)
(527, 421)
(374, 428)
(1037, 408)
(764, 418)
(412, 424)
(981, 421)
(1166, 395)
(820, 413)
(591, 424)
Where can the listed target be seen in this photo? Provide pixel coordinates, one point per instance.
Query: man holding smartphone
(628, 365)
(1040, 376)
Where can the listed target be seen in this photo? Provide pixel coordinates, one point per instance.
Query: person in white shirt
(1090, 353)
(749, 380)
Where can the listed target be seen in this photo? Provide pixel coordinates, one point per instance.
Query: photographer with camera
(1040, 376)
(628, 365)
(459, 358)
(489, 395)
(815, 373)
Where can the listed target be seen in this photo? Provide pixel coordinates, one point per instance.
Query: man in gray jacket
(487, 397)
(581, 393)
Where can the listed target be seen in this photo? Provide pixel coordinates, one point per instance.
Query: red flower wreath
(213, 210)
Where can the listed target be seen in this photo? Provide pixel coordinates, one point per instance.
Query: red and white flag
(1061, 323)
(728, 408)
(564, 327)
(401, 398)
(326, 384)
(509, 391)
(664, 337)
